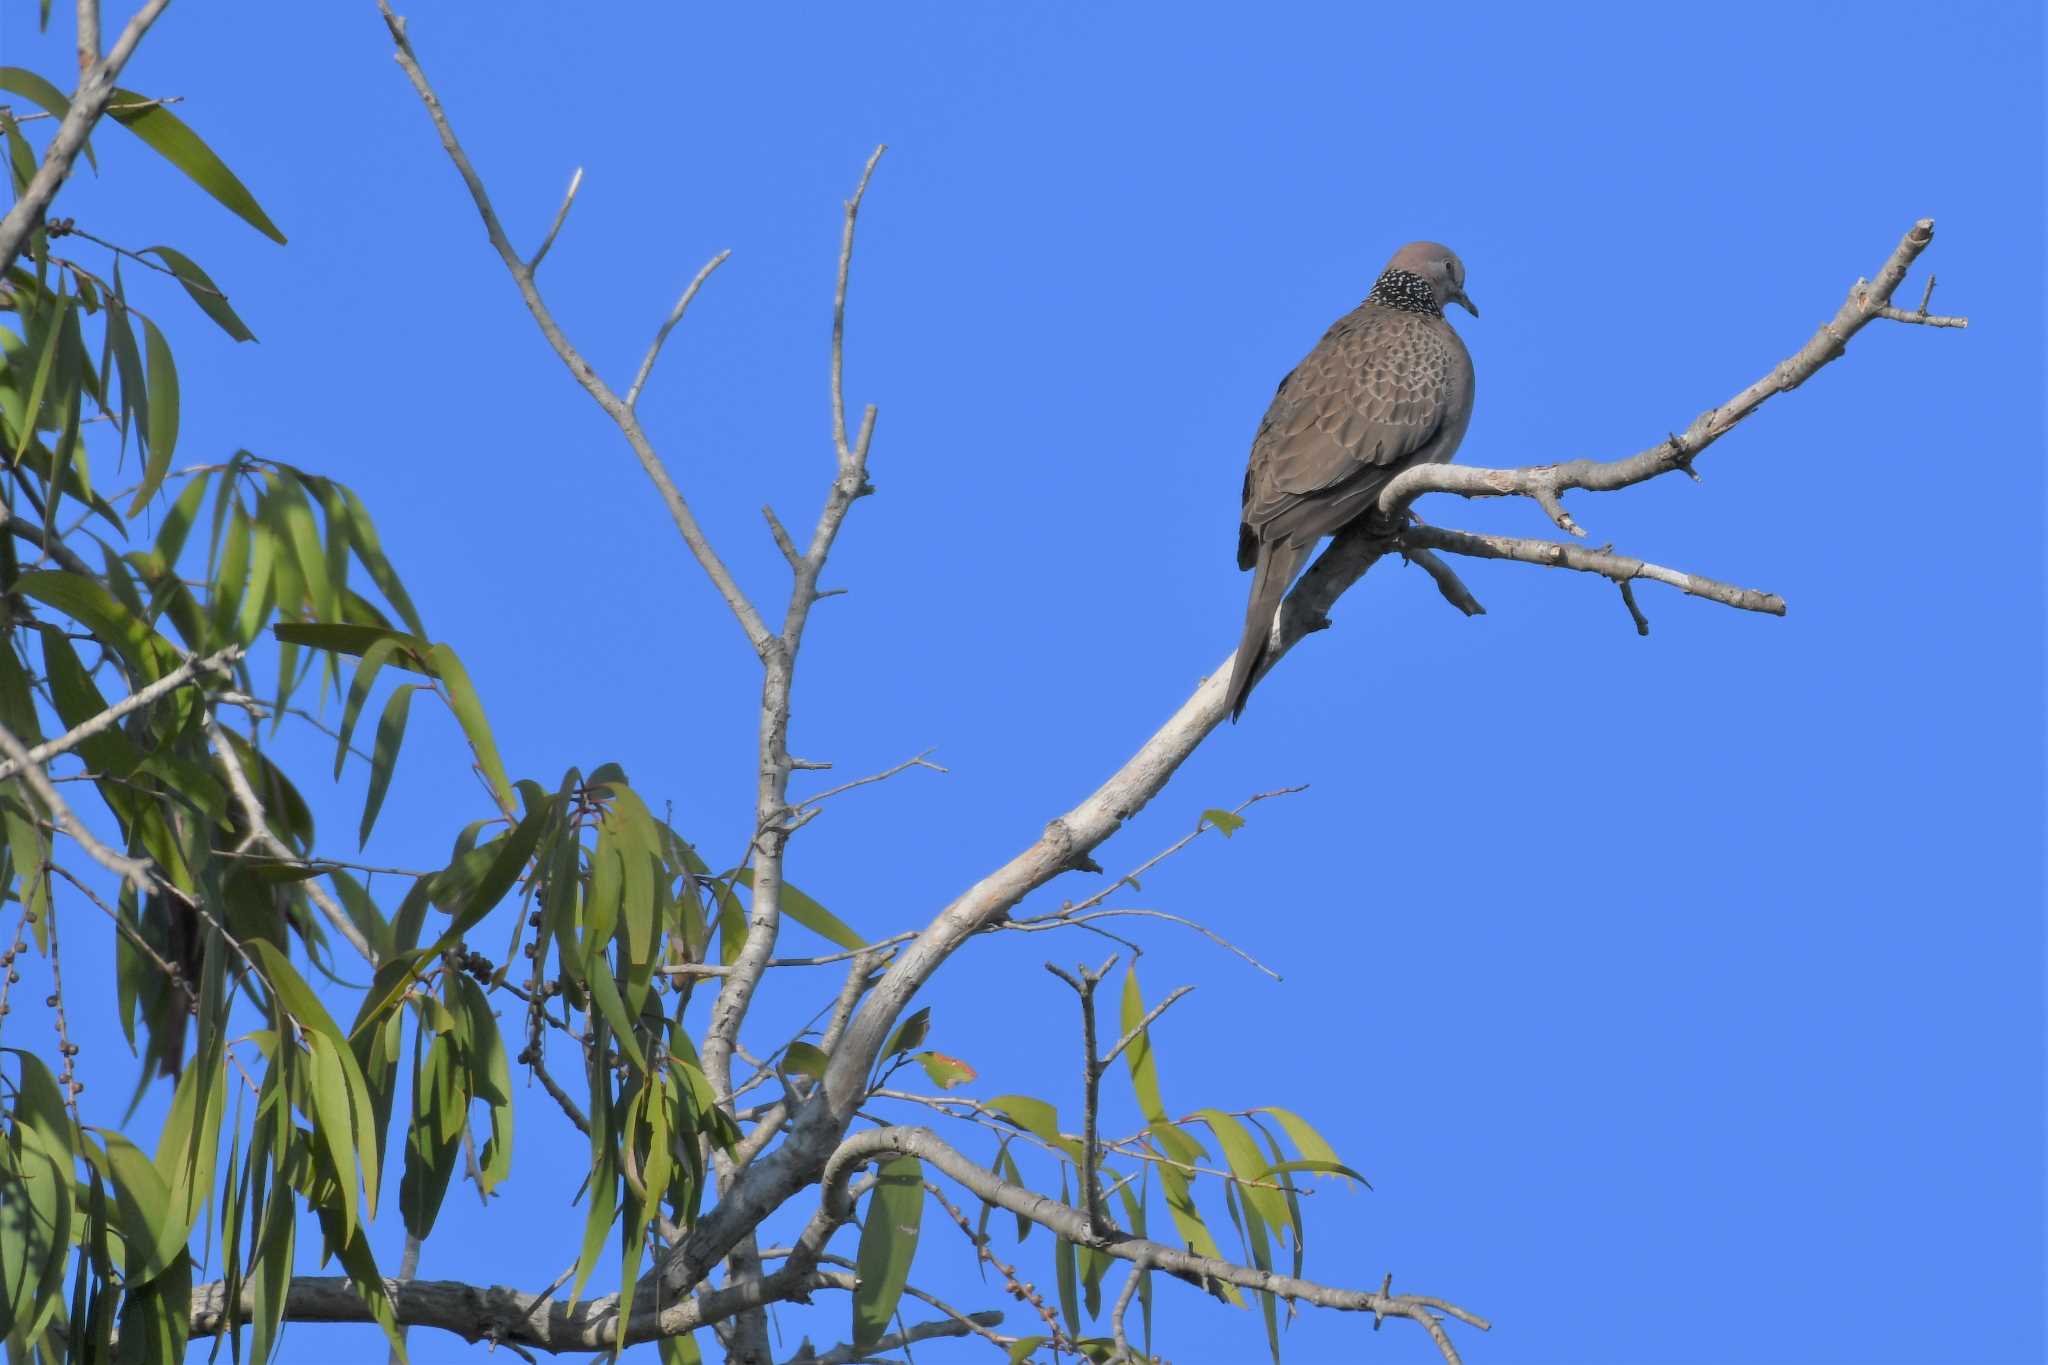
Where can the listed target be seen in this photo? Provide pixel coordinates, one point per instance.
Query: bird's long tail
(1277, 563)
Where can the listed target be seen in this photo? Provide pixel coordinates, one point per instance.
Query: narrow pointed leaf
(888, 1241)
(469, 711)
(384, 757)
(203, 290)
(161, 420)
(183, 148)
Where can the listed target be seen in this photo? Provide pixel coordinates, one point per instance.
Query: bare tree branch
(88, 102)
(1070, 839)
(616, 408)
(875, 1144)
(1447, 582)
(1867, 299)
(1556, 554)
(216, 662)
(540, 252)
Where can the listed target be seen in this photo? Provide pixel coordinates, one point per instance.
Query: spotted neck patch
(1406, 291)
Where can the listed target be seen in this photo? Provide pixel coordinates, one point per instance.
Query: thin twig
(675, 316)
(1062, 919)
(1137, 1030)
(620, 411)
(260, 833)
(216, 662)
(561, 216)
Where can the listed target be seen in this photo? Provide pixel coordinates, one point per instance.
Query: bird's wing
(1373, 392)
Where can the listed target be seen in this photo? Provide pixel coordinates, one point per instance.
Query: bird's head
(1439, 267)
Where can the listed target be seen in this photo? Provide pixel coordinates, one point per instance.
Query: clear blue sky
(1682, 996)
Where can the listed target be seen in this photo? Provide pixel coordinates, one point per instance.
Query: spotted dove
(1388, 386)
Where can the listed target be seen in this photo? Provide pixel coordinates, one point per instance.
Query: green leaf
(462, 699)
(362, 911)
(1318, 1167)
(508, 857)
(1022, 1347)
(291, 990)
(1310, 1143)
(78, 699)
(35, 1225)
(805, 1059)
(390, 735)
(490, 1080)
(1063, 1274)
(888, 1241)
(411, 651)
(203, 290)
(909, 1033)
(162, 417)
(332, 1122)
(1145, 1079)
(191, 1139)
(87, 602)
(681, 1350)
(1063, 1270)
(809, 914)
(46, 96)
(155, 1317)
(182, 147)
(128, 365)
(604, 992)
(1188, 1219)
(1013, 1176)
(150, 1230)
(1226, 822)
(1247, 1163)
(1037, 1118)
(354, 1251)
(604, 1206)
(434, 1137)
(362, 534)
(945, 1072)
(46, 366)
(304, 538)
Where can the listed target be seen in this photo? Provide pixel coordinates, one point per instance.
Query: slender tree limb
(1066, 919)
(1447, 581)
(1141, 1266)
(261, 835)
(847, 1354)
(875, 1144)
(216, 662)
(88, 103)
(1137, 1030)
(1092, 1068)
(540, 253)
(137, 872)
(1867, 299)
(616, 408)
(675, 316)
(1621, 568)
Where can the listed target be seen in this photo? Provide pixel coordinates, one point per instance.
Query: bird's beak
(1470, 307)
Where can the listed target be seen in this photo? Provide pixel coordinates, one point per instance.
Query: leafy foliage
(164, 623)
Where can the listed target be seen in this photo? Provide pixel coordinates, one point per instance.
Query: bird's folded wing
(1370, 395)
